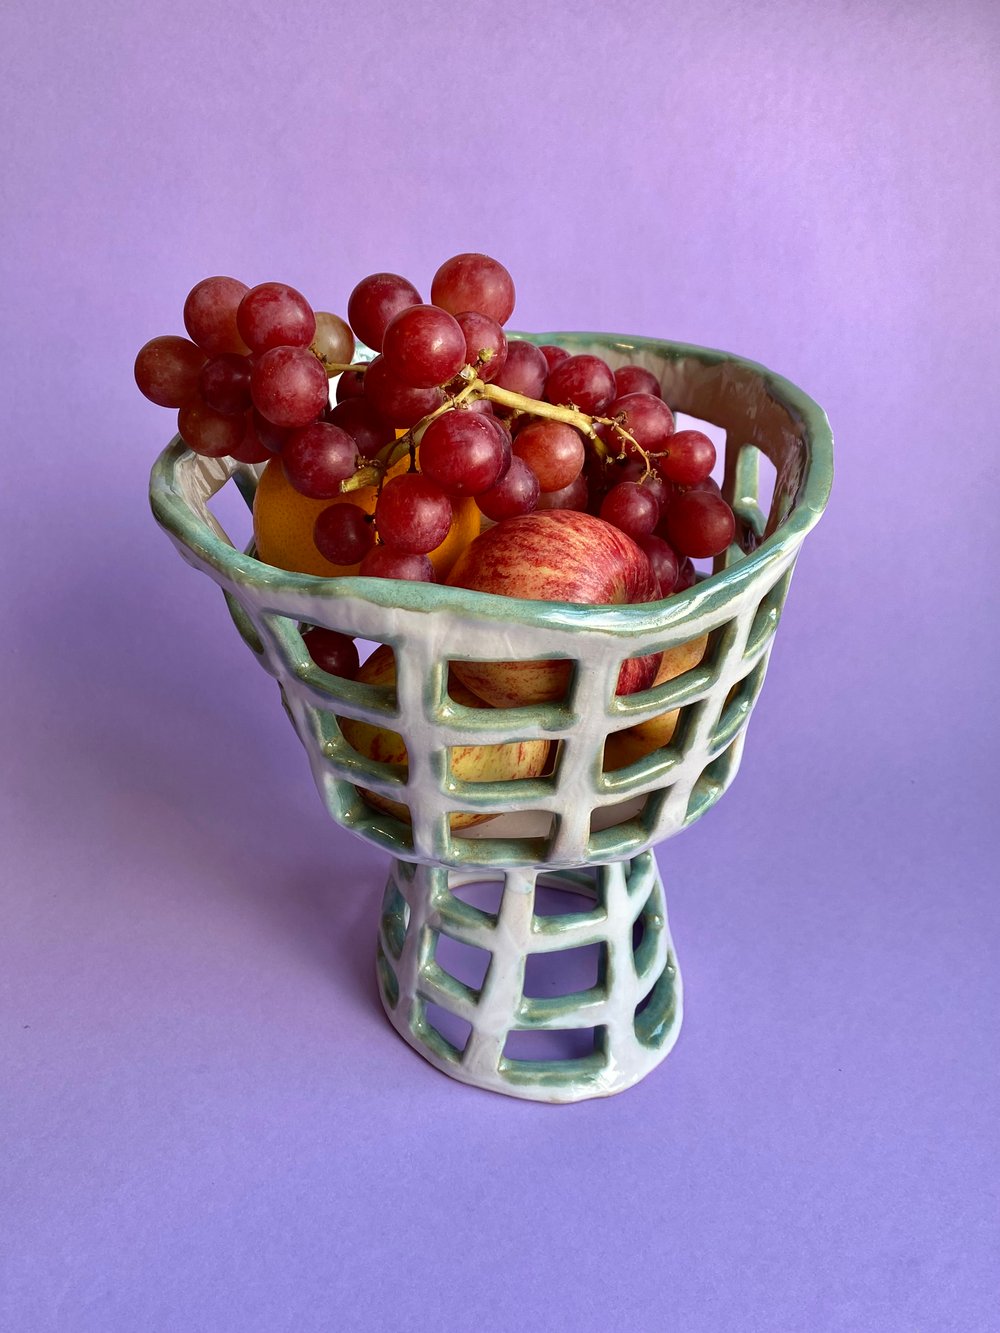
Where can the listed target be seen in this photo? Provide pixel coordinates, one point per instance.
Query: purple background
(206, 1122)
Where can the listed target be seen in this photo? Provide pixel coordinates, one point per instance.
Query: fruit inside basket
(499, 675)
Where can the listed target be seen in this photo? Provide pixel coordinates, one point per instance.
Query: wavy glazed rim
(680, 364)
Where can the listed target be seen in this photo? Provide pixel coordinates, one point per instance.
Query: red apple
(556, 555)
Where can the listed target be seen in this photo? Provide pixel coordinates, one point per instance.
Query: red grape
(584, 381)
(209, 432)
(252, 449)
(351, 384)
(573, 496)
(553, 451)
(369, 432)
(413, 514)
(343, 533)
(600, 477)
(687, 575)
(709, 484)
(689, 459)
(506, 451)
(646, 418)
(525, 369)
(167, 371)
(634, 379)
(474, 282)
(382, 562)
(661, 491)
(333, 341)
(662, 561)
(483, 334)
(225, 383)
(553, 355)
(634, 469)
(337, 654)
(398, 403)
(289, 386)
(275, 315)
(374, 302)
(462, 452)
(424, 346)
(274, 437)
(631, 508)
(210, 315)
(515, 493)
(318, 458)
(698, 523)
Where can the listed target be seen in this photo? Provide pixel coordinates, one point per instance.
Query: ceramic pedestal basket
(579, 827)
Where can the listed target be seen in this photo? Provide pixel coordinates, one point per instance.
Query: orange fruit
(283, 525)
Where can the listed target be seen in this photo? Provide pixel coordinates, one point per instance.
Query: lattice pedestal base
(613, 1033)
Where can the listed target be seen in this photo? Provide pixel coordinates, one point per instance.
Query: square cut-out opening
(388, 828)
(572, 893)
(519, 838)
(621, 829)
(714, 779)
(695, 658)
(604, 819)
(551, 973)
(717, 434)
(443, 1031)
(372, 747)
(754, 478)
(465, 962)
(533, 1046)
(767, 616)
(335, 652)
(348, 738)
(739, 705)
(627, 745)
(514, 761)
(485, 895)
(230, 509)
(365, 749)
(525, 682)
(638, 753)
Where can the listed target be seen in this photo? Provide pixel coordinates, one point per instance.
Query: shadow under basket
(530, 954)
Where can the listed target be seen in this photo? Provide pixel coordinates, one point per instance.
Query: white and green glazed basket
(579, 828)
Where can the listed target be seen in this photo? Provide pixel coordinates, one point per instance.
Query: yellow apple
(469, 763)
(626, 747)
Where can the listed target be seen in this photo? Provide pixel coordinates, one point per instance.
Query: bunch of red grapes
(514, 426)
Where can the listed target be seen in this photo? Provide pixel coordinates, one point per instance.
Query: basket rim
(235, 568)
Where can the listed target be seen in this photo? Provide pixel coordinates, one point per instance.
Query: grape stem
(373, 473)
(572, 416)
(337, 368)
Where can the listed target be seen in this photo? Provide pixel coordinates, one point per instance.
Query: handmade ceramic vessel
(580, 827)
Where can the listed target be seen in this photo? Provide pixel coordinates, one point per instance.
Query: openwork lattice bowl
(580, 827)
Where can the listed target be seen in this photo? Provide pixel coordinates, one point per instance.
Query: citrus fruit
(283, 525)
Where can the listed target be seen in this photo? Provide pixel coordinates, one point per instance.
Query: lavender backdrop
(206, 1123)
